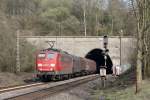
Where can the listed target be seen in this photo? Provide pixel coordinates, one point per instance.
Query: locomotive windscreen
(50, 56)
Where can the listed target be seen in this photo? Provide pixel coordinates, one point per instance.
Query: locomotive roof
(55, 50)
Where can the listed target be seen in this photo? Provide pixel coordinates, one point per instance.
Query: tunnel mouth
(98, 56)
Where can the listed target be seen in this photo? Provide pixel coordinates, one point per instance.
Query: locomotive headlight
(39, 65)
(52, 65)
(51, 69)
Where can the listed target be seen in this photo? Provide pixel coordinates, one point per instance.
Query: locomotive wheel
(83, 73)
(63, 77)
(66, 76)
(59, 77)
(53, 78)
(44, 78)
(70, 76)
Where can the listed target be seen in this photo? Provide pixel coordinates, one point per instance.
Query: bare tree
(84, 14)
(140, 12)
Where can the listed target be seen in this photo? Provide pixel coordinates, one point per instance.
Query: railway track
(18, 87)
(40, 90)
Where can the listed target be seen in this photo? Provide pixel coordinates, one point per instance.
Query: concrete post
(17, 53)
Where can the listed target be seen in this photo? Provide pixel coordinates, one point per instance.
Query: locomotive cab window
(50, 56)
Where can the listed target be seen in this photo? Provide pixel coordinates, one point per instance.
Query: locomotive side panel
(66, 63)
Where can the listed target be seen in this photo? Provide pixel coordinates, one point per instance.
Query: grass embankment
(123, 89)
(10, 79)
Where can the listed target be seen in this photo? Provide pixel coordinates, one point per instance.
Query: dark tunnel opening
(98, 56)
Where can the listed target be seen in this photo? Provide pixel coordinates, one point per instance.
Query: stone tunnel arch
(97, 55)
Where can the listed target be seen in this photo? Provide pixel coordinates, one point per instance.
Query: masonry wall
(81, 46)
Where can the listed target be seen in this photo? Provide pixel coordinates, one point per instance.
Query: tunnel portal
(98, 57)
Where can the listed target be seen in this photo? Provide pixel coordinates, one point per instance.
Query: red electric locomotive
(53, 63)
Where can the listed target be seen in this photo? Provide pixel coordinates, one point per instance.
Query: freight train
(52, 64)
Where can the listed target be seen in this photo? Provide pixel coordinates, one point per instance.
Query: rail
(18, 87)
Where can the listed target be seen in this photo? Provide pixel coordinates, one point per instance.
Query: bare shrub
(27, 56)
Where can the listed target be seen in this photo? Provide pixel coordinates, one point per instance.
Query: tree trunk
(138, 70)
(139, 61)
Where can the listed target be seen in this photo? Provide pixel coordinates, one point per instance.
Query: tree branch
(145, 29)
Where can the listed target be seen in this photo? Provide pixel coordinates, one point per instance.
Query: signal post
(104, 67)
